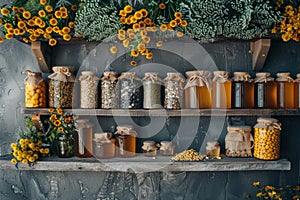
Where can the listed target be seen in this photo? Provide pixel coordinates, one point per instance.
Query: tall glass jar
(35, 90)
(297, 91)
(130, 87)
(221, 90)
(198, 89)
(242, 90)
(152, 90)
(265, 92)
(61, 87)
(173, 91)
(109, 92)
(88, 89)
(66, 146)
(103, 145)
(285, 90)
(125, 142)
(84, 138)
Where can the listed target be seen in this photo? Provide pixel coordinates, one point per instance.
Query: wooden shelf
(147, 164)
(172, 113)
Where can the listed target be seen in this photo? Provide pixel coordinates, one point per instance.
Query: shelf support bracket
(42, 53)
(259, 50)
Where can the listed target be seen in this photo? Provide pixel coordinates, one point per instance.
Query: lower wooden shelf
(141, 164)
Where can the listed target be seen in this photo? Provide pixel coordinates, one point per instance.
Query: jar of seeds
(61, 87)
(88, 89)
(152, 90)
(109, 92)
(173, 91)
(130, 87)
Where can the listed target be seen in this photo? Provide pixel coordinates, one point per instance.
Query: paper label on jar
(218, 95)
(260, 95)
(121, 145)
(238, 94)
(80, 142)
(281, 95)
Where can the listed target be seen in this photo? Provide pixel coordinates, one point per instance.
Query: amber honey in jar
(149, 148)
(125, 141)
(297, 92)
(221, 90)
(267, 139)
(84, 138)
(242, 90)
(198, 89)
(103, 145)
(213, 150)
(285, 90)
(265, 92)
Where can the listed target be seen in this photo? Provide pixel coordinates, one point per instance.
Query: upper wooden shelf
(171, 113)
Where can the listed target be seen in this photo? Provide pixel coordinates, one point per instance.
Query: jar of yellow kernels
(35, 90)
(267, 139)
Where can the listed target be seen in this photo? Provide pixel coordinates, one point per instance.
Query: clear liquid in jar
(221, 95)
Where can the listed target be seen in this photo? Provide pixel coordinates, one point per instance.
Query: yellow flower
(63, 9)
(122, 13)
(141, 46)
(163, 27)
(178, 14)
(24, 161)
(9, 36)
(66, 37)
(36, 34)
(184, 23)
(21, 9)
(38, 21)
(256, 183)
(1, 22)
(5, 11)
(144, 52)
(60, 129)
(1, 39)
(179, 34)
(134, 53)
(128, 9)
(159, 43)
(42, 13)
(56, 122)
(66, 30)
(11, 31)
(133, 20)
(49, 30)
(46, 150)
(133, 63)
(143, 33)
(121, 37)
(31, 22)
(26, 14)
(57, 14)
(285, 37)
(17, 31)
(162, 6)
(8, 26)
(42, 25)
(68, 120)
(53, 22)
(149, 56)
(144, 12)
(13, 161)
(21, 24)
(55, 29)
(260, 194)
(73, 7)
(142, 24)
(138, 15)
(173, 23)
(64, 15)
(71, 24)
(113, 49)
(136, 27)
(48, 8)
(147, 21)
(123, 20)
(13, 145)
(15, 9)
(126, 43)
(59, 110)
(146, 39)
(269, 187)
(130, 31)
(31, 159)
(36, 156)
(274, 30)
(128, 21)
(131, 35)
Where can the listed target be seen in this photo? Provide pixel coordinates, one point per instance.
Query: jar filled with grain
(103, 145)
(242, 90)
(285, 90)
(149, 148)
(125, 141)
(267, 139)
(213, 149)
(61, 87)
(131, 91)
(174, 83)
(35, 90)
(152, 90)
(265, 92)
(297, 91)
(166, 148)
(221, 90)
(109, 92)
(84, 138)
(88, 89)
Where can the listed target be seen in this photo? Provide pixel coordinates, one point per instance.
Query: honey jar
(125, 141)
(242, 90)
(213, 149)
(265, 93)
(285, 90)
(166, 148)
(221, 90)
(103, 145)
(149, 148)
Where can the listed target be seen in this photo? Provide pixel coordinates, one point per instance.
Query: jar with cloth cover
(149, 148)
(125, 141)
(152, 90)
(88, 89)
(84, 138)
(285, 90)
(166, 148)
(265, 93)
(174, 83)
(242, 90)
(221, 90)
(109, 91)
(103, 145)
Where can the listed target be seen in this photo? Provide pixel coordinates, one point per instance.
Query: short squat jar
(213, 149)
(166, 148)
(242, 90)
(221, 90)
(149, 148)
(174, 83)
(152, 90)
(103, 145)
(88, 89)
(265, 92)
(109, 92)
(285, 90)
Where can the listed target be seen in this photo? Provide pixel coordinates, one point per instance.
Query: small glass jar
(104, 145)
(267, 139)
(238, 141)
(152, 91)
(35, 90)
(173, 91)
(125, 141)
(242, 90)
(109, 92)
(221, 90)
(213, 150)
(149, 148)
(297, 91)
(198, 89)
(66, 146)
(166, 148)
(130, 87)
(84, 138)
(265, 92)
(285, 90)
(61, 87)
(88, 89)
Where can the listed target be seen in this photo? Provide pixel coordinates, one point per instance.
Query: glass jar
(104, 145)
(84, 138)
(166, 148)
(130, 91)
(297, 91)
(221, 90)
(152, 90)
(109, 92)
(238, 141)
(285, 90)
(267, 139)
(265, 92)
(173, 91)
(88, 89)
(125, 142)
(61, 87)
(242, 90)
(213, 149)
(198, 89)
(149, 148)
(35, 90)
(66, 146)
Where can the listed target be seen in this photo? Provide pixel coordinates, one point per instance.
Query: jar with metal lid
(242, 90)
(221, 90)
(103, 145)
(125, 141)
(297, 91)
(61, 87)
(88, 89)
(35, 90)
(166, 148)
(265, 92)
(173, 91)
(285, 90)
(213, 150)
(84, 138)
(239, 141)
(109, 91)
(198, 89)
(149, 148)
(267, 139)
(152, 90)
(66, 146)
(131, 91)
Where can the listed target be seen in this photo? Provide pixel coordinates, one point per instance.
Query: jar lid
(125, 130)
(174, 74)
(237, 128)
(241, 76)
(198, 73)
(262, 74)
(284, 76)
(88, 73)
(222, 73)
(298, 75)
(266, 120)
(84, 123)
(166, 143)
(103, 136)
(149, 143)
(112, 73)
(57, 68)
(212, 144)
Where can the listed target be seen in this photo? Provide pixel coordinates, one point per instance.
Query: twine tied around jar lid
(34, 78)
(267, 123)
(110, 76)
(149, 145)
(284, 77)
(83, 123)
(174, 76)
(263, 77)
(212, 145)
(102, 137)
(129, 76)
(298, 78)
(241, 76)
(62, 73)
(239, 133)
(125, 130)
(198, 78)
(220, 76)
(88, 76)
(153, 77)
(165, 145)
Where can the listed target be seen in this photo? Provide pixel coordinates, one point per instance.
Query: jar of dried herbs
(88, 89)
(173, 91)
(152, 90)
(109, 92)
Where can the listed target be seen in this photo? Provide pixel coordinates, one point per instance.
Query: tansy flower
(123, 20)
(55, 29)
(38, 21)
(73, 7)
(36, 34)
(128, 21)
(57, 122)
(22, 31)
(178, 14)
(126, 43)
(131, 35)
(138, 15)
(133, 63)
(128, 9)
(57, 14)
(15, 9)
(71, 24)
(9, 36)
(43, 2)
(154, 29)
(149, 56)
(49, 30)
(159, 43)
(42, 13)
(67, 120)
(1, 22)
(162, 6)
(121, 37)
(146, 39)
(49, 8)
(147, 21)
(173, 23)
(178, 20)
(13, 145)
(144, 12)
(66, 37)
(53, 22)
(26, 14)
(39, 143)
(25, 161)
(1, 39)
(59, 110)
(60, 129)
(31, 22)
(130, 31)
(53, 117)
(179, 34)
(136, 27)
(11, 31)
(144, 51)
(141, 46)
(7, 26)
(133, 20)
(16, 31)
(64, 15)
(184, 23)
(143, 33)
(13, 161)
(21, 24)
(122, 13)
(142, 24)
(63, 9)
(42, 25)
(134, 53)
(47, 150)
(21, 9)
(31, 159)
(47, 36)
(163, 27)
(5, 11)
(66, 29)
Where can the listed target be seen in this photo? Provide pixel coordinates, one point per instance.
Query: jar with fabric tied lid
(267, 139)
(61, 87)
(239, 141)
(166, 148)
(149, 148)
(174, 83)
(103, 145)
(131, 91)
(297, 91)
(221, 90)
(213, 149)
(109, 91)
(285, 90)
(125, 141)
(198, 89)
(88, 89)
(152, 90)
(35, 90)
(265, 92)
(242, 90)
